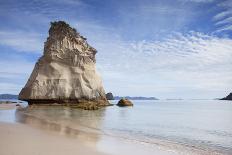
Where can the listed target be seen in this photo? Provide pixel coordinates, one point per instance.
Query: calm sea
(203, 124)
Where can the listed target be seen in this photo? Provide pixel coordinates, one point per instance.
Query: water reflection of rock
(66, 121)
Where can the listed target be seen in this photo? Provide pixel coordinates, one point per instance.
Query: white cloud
(70, 2)
(222, 15)
(194, 62)
(9, 88)
(14, 66)
(225, 28)
(224, 19)
(198, 1)
(194, 46)
(14, 74)
(22, 41)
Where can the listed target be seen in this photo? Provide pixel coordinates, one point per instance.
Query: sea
(199, 124)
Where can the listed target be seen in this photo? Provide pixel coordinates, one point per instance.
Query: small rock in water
(124, 102)
(109, 96)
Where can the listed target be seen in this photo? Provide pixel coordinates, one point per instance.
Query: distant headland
(8, 97)
(135, 98)
(229, 97)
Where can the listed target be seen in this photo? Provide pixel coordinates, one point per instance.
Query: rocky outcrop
(229, 97)
(124, 102)
(109, 96)
(66, 72)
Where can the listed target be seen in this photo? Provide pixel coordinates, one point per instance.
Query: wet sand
(5, 106)
(20, 139)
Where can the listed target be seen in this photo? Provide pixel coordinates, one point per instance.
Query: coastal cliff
(66, 72)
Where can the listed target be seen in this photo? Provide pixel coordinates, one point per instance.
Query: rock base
(81, 103)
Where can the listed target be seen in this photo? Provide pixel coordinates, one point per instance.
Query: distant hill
(8, 96)
(135, 98)
(174, 99)
(229, 97)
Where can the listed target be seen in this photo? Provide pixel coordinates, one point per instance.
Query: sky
(161, 48)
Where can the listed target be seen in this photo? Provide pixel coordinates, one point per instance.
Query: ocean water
(200, 124)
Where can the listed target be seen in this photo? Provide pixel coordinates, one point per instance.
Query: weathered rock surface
(124, 102)
(229, 97)
(109, 96)
(66, 72)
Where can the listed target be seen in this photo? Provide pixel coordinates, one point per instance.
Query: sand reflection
(75, 123)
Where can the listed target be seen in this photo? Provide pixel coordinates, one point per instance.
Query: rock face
(109, 96)
(124, 102)
(229, 97)
(66, 72)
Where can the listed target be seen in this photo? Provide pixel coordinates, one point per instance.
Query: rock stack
(66, 72)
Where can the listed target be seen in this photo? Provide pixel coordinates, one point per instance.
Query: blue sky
(161, 48)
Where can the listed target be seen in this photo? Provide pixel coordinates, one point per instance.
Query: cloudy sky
(161, 48)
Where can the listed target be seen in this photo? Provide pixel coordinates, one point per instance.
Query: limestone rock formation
(66, 72)
(124, 102)
(229, 97)
(109, 96)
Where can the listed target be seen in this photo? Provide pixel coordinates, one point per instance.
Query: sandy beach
(20, 139)
(7, 106)
(37, 138)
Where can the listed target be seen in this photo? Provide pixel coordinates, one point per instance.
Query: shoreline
(104, 142)
(21, 139)
(8, 106)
